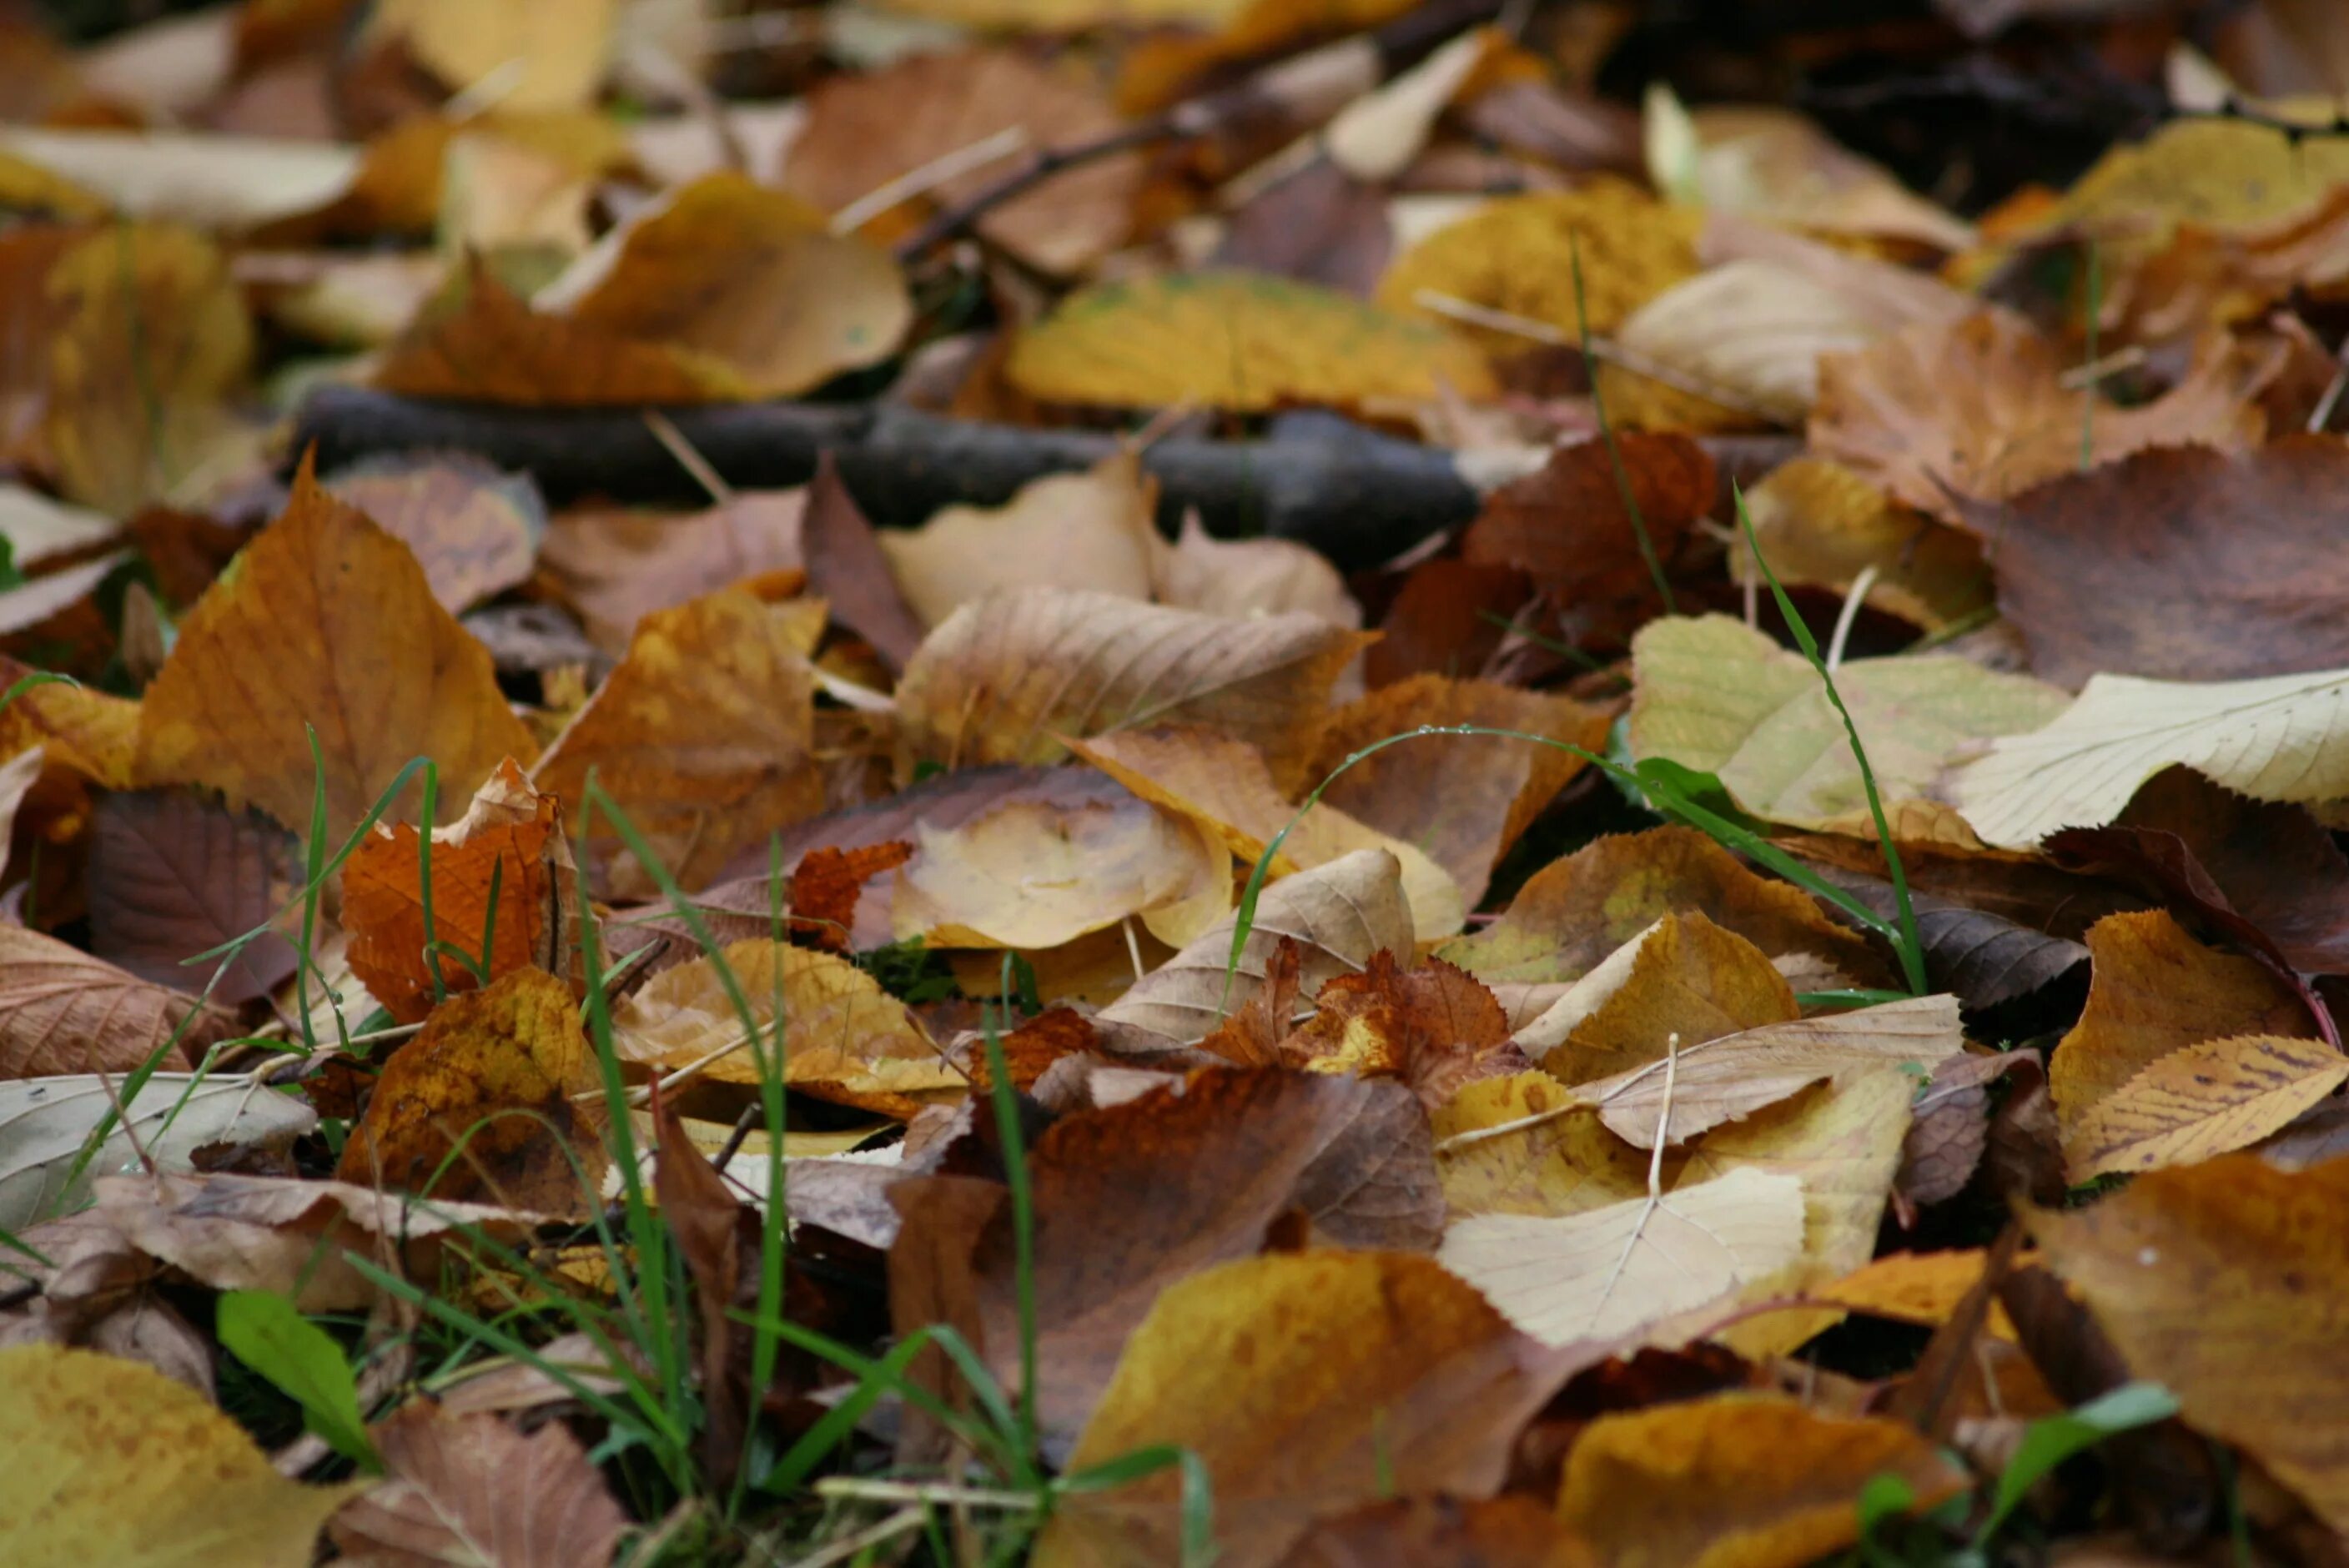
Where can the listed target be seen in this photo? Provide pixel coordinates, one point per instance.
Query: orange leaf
(827, 884)
(1434, 1027)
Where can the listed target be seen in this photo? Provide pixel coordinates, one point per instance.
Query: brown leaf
(829, 882)
(1339, 914)
(1575, 911)
(1511, 1531)
(1002, 678)
(1980, 407)
(483, 1104)
(1568, 530)
(844, 564)
(1984, 957)
(702, 735)
(1249, 577)
(1464, 799)
(1950, 1125)
(1319, 225)
(63, 1011)
(1448, 618)
(715, 1231)
(472, 1489)
(325, 620)
(1518, 1145)
(1287, 1375)
(1433, 1026)
(617, 567)
(2220, 1281)
(1756, 1481)
(172, 876)
(1094, 530)
(509, 837)
(473, 528)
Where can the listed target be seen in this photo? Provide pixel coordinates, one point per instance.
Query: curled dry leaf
(1224, 785)
(45, 1122)
(1240, 342)
(1575, 911)
(1744, 1480)
(1465, 799)
(1338, 914)
(703, 735)
(846, 565)
(845, 1039)
(324, 622)
(1716, 696)
(2222, 1281)
(473, 1488)
(1980, 407)
(1432, 1026)
(1730, 1076)
(473, 528)
(1285, 1375)
(1684, 976)
(2285, 737)
(1608, 1272)
(1003, 678)
(104, 1461)
(484, 1104)
(617, 567)
(63, 1012)
(172, 876)
(509, 839)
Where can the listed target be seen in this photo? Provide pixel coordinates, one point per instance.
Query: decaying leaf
(1816, 522)
(483, 1105)
(1607, 1272)
(471, 1486)
(63, 1011)
(1520, 1145)
(473, 528)
(1434, 1027)
(1094, 531)
(1003, 678)
(323, 623)
(172, 876)
(616, 567)
(104, 1461)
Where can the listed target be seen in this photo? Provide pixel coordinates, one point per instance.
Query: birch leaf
(1610, 1271)
(1728, 1078)
(2285, 737)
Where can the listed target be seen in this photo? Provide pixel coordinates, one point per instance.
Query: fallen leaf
(1239, 342)
(1985, 957)
(204, 180)
(846, 565)
(1465, 799)
(1094, 531)
(1732, 1076)
(473, 528)
(844, 1039)
(63, 1012)
(829, 883)
(1819, 522)
(1003, 678)
(324, 622)
(2280, 738)
(1222, 785)
(1950, 1124)
(471, 1486)
(1925, 1289)
(1432, 1026)
(509, 837)
(483, 1104)
(1575, 911)
(1684, 976)
(543, 54)
(2225, 174)
(729, 271)
(2217, 1281)
(2203, 1099)
(703, 735)
(172, 876)
(1567, 528)
(1511, 1531)
(1737, 1480)
(1718, 697)
(1520, 1145)
(1980, 409)
(1608, 1272)
(92, 732)
(45, 1122)
(617, 567)
(1249, 578)
(1338, 914)
(109, 1461)
(1751, 333)
(1449, 618)
(1516, 253)
(37, 527)
(1347, 1355)
(868, 130)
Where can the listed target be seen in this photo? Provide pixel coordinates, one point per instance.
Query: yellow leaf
(1818, 522)
(845, 1039)
(1684, 976)
(1003, 678)
(1923, 1288)
(1241, 342)
(1304, 1383)
(106, 1460)
(1520, 1145)
(1716, 696)
(1516, 254)
(90, 731)
(2225, 1282)
(325, 622)
(1090, 531)
(535, 54)
(1603, 1273)
(703, 735)
(1738, 1480)
(2285, 737)
(2218, 174)
(483, 1106)
(2205, 1099)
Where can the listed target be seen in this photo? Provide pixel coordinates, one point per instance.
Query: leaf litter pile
(1233, 780)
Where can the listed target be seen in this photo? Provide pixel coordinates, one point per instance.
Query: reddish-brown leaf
(172, 876)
